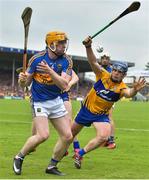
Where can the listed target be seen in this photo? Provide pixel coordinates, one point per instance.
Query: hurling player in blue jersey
(67, 103)
(105, 62)
(49, 71)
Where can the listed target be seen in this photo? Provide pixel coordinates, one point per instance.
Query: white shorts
(51, 108)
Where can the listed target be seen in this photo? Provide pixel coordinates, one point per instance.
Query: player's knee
(68, 138)
(43, 137)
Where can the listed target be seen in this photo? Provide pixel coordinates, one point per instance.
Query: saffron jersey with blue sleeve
(43, 88)
(103, 94)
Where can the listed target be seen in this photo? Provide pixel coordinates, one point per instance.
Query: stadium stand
(11, 59)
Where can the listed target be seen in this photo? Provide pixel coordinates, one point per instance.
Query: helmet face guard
(120, 66)
(54, 38)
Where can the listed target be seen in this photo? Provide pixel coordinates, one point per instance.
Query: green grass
(130, 160)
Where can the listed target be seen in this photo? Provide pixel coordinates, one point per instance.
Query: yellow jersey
(103, 94)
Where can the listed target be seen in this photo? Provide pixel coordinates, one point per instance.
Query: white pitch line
(12, 113)
(18, 122)
(130, 129)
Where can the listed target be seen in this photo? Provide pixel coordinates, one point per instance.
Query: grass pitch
(130, 160)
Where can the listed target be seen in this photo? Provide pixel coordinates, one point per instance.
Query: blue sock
(82, 152)
(54, 162)
(76, 145)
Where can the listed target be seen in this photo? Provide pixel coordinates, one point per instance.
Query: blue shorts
(65, 96)
(86, 118)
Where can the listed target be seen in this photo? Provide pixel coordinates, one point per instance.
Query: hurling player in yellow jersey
(108, 89)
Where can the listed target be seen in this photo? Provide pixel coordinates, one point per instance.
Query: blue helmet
(120, 66)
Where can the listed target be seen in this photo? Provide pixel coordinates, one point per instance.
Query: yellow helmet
(55, 36)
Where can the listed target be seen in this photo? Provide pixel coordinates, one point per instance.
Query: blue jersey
(65, 96)
(43, 87)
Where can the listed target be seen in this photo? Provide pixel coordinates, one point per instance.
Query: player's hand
(43, 67)
(87, 42)
(138, 85)
(68, 88)
(22, 77)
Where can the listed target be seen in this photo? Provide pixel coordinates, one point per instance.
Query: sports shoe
(17, 165)
(77, 161)
(111, 145)
(53, 170)
(75, 152)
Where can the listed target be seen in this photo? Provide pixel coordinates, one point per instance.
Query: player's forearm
(58, 80)
(90, 55)
(73, 81)
(130, 93)
(92, 60)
